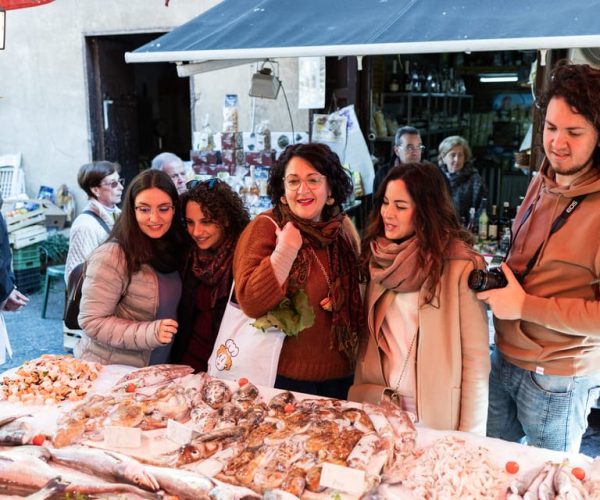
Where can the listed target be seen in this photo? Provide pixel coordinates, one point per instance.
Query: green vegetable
(290, 316)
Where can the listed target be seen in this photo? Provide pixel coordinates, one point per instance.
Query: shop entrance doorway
(135, 110)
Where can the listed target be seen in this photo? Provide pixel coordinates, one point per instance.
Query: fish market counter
(105, 431)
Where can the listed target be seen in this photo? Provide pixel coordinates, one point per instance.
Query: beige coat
(452, 359)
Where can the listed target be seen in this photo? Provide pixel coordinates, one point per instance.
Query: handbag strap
(98, 218)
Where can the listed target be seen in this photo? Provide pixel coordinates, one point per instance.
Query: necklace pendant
(326, 304)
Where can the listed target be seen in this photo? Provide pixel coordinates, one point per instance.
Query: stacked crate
(26, 266)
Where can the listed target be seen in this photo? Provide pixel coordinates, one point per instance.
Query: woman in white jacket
(132, 284)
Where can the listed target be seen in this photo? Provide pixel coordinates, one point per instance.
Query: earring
(330, 201)
(283, 200)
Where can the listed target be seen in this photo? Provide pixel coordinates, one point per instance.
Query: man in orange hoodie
(546, 366)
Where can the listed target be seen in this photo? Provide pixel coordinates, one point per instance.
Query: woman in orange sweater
(315, 251)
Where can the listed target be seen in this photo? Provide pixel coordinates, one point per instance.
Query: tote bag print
(244, 351)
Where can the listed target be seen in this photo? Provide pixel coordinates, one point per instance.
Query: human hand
(289, 237)
(15, 301)
(166, 330)
(507, 302)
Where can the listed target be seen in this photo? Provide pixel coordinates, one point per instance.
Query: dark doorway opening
(136, 110)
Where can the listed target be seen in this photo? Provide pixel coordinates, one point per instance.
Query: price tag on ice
(179, 433)
(122, 437)
(342, 478)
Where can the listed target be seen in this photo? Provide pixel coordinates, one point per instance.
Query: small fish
(182, 483)
(15, 433)
(155, 375)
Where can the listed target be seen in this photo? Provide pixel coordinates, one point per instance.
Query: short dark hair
(126, 231)
(91, 175)
(219, 203)
(406, 130)
(325, 161)
(579, 86)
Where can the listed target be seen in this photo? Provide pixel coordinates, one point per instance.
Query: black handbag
(74, 286)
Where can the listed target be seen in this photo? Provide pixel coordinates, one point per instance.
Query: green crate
(27, 257)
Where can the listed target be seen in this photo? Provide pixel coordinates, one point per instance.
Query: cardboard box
(205, 157)
(28, 236)
(232, 140)
(260, 158)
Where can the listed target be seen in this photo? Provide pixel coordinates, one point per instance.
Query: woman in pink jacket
(427, 348)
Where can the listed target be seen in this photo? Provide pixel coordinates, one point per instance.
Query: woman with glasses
(132, 286)
(100, 181)
(214, 216)
(466, 185)
(427, 347)
(314, 251)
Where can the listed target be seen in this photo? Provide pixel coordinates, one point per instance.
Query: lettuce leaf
(291, 316)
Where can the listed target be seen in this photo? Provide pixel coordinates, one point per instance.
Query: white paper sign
(179, 433)
(122, 437)
(343, 478)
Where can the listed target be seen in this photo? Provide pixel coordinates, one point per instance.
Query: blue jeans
(547, 411)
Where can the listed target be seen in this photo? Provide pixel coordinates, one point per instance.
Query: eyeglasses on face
(293, 182)
(161, 209)
(114, 184)
(412, 149)
(210, 183)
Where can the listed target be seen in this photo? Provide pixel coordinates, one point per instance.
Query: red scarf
(214, 268)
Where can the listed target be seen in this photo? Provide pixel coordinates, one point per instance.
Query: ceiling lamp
(264, 84)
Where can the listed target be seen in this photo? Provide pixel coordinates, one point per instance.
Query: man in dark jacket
(408, 148)
(10, 298)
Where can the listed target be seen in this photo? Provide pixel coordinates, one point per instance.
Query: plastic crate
(26, 258)
(28, 280)
(28, 236)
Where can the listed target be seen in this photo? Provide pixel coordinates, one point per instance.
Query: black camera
(481, 280)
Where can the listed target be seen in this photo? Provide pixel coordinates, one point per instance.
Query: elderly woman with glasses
(466, 185)
(132, 285)
(100, 181)
(214, 216)
(312, 254)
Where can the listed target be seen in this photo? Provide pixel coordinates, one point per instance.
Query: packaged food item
(263, 136)
(230, 113)
(206, 140)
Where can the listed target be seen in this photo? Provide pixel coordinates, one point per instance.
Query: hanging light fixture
(264, 84)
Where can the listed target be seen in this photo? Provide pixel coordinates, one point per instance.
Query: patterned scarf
(214, 268)
(347, 310)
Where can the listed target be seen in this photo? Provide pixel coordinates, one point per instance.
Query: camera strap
(556, 225)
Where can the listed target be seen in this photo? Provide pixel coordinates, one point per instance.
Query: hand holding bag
(241, 350)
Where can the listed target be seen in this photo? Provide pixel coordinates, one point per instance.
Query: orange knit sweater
(312, 355)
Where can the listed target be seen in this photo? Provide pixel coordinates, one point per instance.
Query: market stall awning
(258, 29)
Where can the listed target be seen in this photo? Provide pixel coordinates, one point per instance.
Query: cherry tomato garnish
(512, 467)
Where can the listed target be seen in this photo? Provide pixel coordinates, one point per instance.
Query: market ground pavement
(31, 336)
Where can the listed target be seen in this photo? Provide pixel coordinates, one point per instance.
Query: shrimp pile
(50, 379)
(451, 468)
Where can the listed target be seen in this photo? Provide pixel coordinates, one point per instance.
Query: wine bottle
(483, 220)
(493, 225)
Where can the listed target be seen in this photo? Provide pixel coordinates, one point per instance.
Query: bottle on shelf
(415, 80)
(504, 243)
(482, 223)
(407, 79)
(394, 80)
(493, 225)
(504, 219)
(472, 224)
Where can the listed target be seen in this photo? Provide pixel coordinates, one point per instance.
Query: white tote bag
(244, 351)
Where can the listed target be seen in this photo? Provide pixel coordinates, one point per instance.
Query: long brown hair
(139, 248)
(435, 218)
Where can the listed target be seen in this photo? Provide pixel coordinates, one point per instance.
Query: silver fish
(15, 432)
(51, 488)
(182, 483)
(109, 465)
(155, 375)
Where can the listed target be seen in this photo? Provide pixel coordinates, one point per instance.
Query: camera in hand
(481, 280)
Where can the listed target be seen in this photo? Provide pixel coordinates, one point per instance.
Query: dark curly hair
(579, 86)
(220, 204)
(435, 221)
(325, 161)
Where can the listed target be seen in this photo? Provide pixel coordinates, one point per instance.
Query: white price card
(342, 478)
(179, 433)
(122, 437)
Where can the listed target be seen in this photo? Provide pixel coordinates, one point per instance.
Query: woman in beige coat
(427, 348)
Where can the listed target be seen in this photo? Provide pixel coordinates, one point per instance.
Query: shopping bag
(5, 347)
(242, 350)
